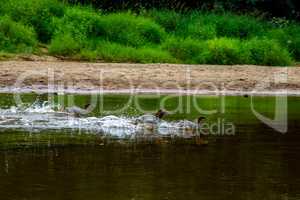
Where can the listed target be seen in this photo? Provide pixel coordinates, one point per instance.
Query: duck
(150, 122)
(188, 128)
(77, 111)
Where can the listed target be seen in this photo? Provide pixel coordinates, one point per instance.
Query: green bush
(36, 13)
(131, 30)
(187, 50)
(65, 45)
(201, 31)
(288, 37)
(168, 19)
(201, 25)
(267, 52)
(226, 51)
(79, 22)
(122, 28)
(230, 25)
(216, 51)
(184, 25)
(74, 31)
(196, 25)
(152, 36)
(16, 37)
(114, 52)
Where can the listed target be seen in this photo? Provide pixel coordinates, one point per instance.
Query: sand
(152, 78)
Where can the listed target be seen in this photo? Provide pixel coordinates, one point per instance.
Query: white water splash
(44, 116)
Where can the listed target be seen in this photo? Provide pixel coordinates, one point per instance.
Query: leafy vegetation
(16, 37)
(152, 36)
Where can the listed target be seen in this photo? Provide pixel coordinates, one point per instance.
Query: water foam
(42, 116)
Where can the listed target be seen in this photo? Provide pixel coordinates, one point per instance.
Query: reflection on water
(255, 163)
(224, 170)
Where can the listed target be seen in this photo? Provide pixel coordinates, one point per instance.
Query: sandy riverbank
(147, 78)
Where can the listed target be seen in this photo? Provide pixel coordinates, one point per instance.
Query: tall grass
(16, 37)
(187, 50)
(288, 37)
(226, 51)
(267, 52)
(152, 36)
(36, 13)
(203, 25)
(131, 30)
(114, 52)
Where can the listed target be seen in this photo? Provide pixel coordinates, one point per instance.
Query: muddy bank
(146, 78)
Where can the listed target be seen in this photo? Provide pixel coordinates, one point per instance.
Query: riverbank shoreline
(125, 78)
(149, 92)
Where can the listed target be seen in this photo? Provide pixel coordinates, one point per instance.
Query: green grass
(154, 36)
(16, 37)
(186, 50)
(267, 52)
(64, 44)
(114, 52)
(226, 51)
(6, 56)
(35, 13)
(288, 37)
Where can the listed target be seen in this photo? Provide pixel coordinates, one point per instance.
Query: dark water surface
(256, 163)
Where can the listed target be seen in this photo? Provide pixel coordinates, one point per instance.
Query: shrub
(86, 54)
(36, 13)
(288, 37)
(187, 50)
(73, 31)
(196, 25)
(122, 28)
(201, 25)
(226, 51)
(127, 29)
(267, 52)
(198, 30)
(15, 37)
(168, 19)
(114, 52)
(230, 25)
(184, 25)
(216, 51)
(64, 44)
(78, 22)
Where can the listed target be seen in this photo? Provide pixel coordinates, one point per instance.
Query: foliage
(36, 13)
(16, 37)
(194, 37)
(288, 37)
(64, 44)
(114, 52)
(230, 25)
(127, 29)
(226, 51)
(279, 8)
(267, 52)
(187, 50)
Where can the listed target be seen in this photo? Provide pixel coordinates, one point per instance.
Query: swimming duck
(77, 111)
(150, 122)
(189, 129)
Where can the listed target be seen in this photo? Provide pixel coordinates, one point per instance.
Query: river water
(40, 157)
